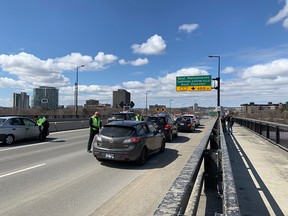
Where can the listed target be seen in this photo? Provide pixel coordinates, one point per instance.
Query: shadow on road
(249, 197)
(158, 160)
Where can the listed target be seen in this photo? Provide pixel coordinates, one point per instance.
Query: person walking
(230, 123)
(95, 125)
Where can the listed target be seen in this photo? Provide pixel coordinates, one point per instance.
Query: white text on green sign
(193, 80)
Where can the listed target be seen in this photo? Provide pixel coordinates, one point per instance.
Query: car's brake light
(189, 125)
(167, 126)
(132, 140)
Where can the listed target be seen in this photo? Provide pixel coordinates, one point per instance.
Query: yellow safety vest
(95, 122)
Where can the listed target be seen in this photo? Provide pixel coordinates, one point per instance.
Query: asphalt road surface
(58, 177)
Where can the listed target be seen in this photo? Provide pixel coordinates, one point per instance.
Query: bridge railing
(274, 132)
(208, 166)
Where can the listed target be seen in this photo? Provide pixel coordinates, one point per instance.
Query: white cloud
(155, 45)
(25, 65)
(282, 15)
(269, 70)
(140, 61)
(137, 62)
(228, 70)
(285, 23)
(188, 27)
(133, 84)
(104, 59)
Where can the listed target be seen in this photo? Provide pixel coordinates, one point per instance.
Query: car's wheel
(170, 137)
(143, 157)
(9, 139)
(163, 146)
(99, 159)
(176, 134)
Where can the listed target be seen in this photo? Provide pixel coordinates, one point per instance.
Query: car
(185, 124)
(15, 128)
(128, 141)
(195, 118)
(166, 124)
(119, 116)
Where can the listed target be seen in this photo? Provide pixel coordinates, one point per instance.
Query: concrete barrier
(68, 125)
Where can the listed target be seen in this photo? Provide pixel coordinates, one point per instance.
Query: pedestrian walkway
(260, 170)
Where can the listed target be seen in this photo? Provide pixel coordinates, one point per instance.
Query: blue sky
(144, 45)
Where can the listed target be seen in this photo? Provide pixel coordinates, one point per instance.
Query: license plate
(181, 123)
(109, 156)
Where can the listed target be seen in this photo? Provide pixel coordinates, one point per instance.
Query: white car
(14, 128)
(195, 119)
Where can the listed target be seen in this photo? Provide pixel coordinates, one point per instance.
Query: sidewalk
(260, 171)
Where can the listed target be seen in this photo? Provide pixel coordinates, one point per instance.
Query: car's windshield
(117, 131)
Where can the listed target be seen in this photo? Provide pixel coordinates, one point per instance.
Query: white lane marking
(22, 170)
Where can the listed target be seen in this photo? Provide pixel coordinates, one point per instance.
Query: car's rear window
(118, 116)
(117, 131)
(157, 120)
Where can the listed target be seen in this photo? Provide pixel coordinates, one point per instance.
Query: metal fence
(274, 132)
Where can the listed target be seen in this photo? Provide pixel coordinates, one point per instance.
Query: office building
(119, 96)
(46, 97)
(20, 101)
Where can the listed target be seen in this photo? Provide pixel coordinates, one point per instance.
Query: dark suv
(166, 124)
(120, 116)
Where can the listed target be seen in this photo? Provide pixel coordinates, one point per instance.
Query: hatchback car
(195, 119)
(185, 124)
(14, 128)
(166, 124)
(128, 141)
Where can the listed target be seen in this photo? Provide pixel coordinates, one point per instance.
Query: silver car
(195, 119)
(14, 128)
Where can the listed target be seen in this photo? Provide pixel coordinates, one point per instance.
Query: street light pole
(146, 103)
(76, 90)
(218, 83)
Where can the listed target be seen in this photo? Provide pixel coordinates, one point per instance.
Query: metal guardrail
(274, 132)
(209, 167)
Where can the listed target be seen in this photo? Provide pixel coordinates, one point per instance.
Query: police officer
(138, 117)
(95, 124)
(43, 125)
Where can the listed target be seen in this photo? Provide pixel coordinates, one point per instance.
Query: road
(58, 177)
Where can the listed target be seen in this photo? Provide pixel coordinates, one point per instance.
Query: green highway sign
(193, 83)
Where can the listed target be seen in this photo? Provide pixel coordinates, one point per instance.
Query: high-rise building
(20, 101)
(119, 96)
(46, 97)
(195, 107)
